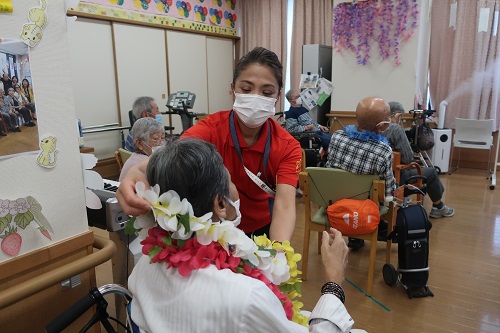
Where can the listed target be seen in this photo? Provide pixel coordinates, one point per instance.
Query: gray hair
(10, 89)
(289, 94)
(194, 169)
(396, 108)
(144, 127)
(142, 104)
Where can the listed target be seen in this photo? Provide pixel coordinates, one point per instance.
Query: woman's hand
(323, 128)
(334, 255)
(127, 198)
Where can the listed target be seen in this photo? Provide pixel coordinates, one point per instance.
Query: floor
(464, 269)
(20, 142)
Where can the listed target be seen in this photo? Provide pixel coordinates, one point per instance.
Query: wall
(113, 63)
(59, 190)
(383, 78)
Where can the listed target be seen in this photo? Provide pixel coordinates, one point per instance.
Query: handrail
(100, 126)
(105, 129)
(32, 286)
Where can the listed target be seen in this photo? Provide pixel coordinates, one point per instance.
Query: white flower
(144, 223)
(19, 206)
(277, 271)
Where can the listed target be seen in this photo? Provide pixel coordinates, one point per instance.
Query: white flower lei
(176, 216)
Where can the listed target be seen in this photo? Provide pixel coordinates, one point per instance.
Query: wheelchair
(316, 156)
(95, 297)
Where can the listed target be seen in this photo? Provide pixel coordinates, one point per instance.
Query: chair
(322, 185)
(473, 134)
(121, 156)
(131, 118)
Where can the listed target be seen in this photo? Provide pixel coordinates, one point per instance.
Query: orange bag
(354, 217)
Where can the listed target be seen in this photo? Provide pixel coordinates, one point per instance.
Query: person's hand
(128, 200)
(323, 128)
(334, 255)
(309, 127)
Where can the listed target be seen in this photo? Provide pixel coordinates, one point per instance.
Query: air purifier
(440, 153)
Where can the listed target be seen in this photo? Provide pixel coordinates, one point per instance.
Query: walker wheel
(492, 187)
(390, 274)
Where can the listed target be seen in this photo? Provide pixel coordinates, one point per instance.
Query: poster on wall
(18, 118)
(213, 12)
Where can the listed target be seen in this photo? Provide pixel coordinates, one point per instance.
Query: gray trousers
(435, 188)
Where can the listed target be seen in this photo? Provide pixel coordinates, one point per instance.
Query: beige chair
(322, 185)
(121, 156)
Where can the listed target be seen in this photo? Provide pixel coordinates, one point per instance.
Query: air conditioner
(440, 153)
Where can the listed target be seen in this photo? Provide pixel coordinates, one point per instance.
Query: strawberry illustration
(45, 232)
(11, 242)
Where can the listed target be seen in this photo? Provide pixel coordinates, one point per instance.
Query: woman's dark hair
(12, 79)
(194, 169)
(261, 56)
(22, 85)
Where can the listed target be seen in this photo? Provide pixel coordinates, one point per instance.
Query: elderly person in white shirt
(177, 289)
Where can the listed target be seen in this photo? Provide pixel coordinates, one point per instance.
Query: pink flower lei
(354, 27)
(188, 255)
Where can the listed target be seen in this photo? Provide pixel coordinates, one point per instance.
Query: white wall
(114, 63)
(352, 82)
(58, 190)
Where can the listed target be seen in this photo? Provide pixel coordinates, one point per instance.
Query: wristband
(335, 289)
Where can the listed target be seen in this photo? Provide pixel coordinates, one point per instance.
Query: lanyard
(267, 148)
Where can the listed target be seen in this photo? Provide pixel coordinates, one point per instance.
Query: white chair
(473, 134)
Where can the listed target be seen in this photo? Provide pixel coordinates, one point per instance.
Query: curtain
(312, 24)
(464, 63)
(263, 23)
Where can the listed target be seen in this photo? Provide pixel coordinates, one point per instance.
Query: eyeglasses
(158, 142)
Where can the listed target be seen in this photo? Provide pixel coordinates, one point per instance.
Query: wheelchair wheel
(390, 274)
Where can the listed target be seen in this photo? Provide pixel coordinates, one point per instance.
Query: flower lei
(167, 232)
(353, 133)
(354, 27)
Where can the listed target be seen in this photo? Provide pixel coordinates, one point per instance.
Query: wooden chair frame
(376, 190)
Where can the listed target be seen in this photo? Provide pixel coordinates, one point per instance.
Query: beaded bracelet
(333, 288)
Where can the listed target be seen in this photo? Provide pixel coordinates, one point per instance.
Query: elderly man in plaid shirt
(364, 150)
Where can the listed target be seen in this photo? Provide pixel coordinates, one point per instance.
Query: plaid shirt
(362, 157)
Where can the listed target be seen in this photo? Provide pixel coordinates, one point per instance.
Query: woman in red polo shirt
(263, 159)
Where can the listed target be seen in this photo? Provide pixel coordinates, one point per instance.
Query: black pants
(435, 188)
(25, 112)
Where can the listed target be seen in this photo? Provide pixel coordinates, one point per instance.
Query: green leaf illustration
(23, 219)
(35, 206)
(4, 222)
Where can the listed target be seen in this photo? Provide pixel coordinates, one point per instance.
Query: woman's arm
(127, 198)
(283, 221)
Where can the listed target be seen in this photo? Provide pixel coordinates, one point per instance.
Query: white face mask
(298, 101)
(153, 149)
(159, 117)
(236, 205)
(253, 110)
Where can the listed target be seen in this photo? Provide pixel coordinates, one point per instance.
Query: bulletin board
(43, 203)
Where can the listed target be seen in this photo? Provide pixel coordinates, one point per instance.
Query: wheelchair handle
(76, 310)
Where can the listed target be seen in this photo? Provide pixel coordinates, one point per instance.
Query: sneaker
(30, 124)
(298, 193)
(355, 244)
(443, 212)
(3, 134)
